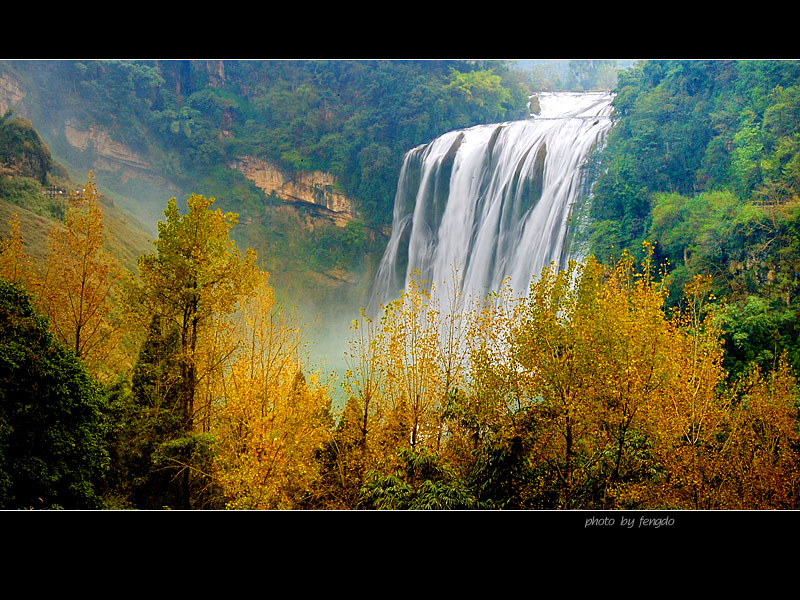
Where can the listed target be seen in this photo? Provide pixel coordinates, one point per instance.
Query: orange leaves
(615, 375)
(241, 375)
(760, 456)
(621, 403)
(271, 419)
(14, 263)
(267, 431)
(77, 289)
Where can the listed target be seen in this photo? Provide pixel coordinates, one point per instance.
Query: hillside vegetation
(353, 119)
(705, 161)
(188, 120)
(36, 188)
(658, 374)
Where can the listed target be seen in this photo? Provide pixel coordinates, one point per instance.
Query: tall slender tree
(77, 289)
(195, 278)
(14, 263)
(196, 274)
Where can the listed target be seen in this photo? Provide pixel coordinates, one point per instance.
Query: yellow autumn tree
(405, 367)
(354, 446)
(762, 465)
(363, 379)
(627, 348)
(196, 276)
(77, 290)
(687, 423)
(554, 368)
(586, 393)
(272, 417)
(15, 265)
(624, 396)
(413, 362)
(481, 408)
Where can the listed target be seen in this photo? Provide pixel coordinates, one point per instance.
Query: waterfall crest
(492, 201)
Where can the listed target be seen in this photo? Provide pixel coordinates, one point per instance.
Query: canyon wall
(314, 188)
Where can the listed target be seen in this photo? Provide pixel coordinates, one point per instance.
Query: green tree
(146, 415)
(483, 92)
(196, 275)
(52, 424)
(592, 74)
(421, 482)
(22, 149)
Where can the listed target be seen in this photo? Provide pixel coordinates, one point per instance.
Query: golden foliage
(759, 456)
(628, 404)
(77, 290)
(15, 265)
(195, 280)
(618, 403)
(271, 418)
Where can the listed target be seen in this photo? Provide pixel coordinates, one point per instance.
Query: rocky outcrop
(315, 188)
(216, 72)
(25, 153)
(109, 152)
(11, 93)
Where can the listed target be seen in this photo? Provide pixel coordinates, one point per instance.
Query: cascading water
(491, 201)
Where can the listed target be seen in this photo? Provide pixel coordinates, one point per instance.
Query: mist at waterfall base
(492, 202)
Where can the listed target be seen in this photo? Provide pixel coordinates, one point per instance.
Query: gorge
(436, 285)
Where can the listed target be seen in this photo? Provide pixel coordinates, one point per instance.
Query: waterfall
(492, 201)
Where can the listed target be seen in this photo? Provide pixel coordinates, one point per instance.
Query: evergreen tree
(147, 414)
(52, 450)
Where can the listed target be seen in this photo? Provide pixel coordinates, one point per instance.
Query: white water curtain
(492, 201)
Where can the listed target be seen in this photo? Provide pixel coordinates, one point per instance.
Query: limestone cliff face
(111, 156)
(107, 150)
(313, 188)
(11, 93)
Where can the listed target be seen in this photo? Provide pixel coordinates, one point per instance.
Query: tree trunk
(568, 482)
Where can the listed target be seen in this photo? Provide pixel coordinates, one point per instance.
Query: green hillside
(705, 160)
(35, 187)
(182, 122)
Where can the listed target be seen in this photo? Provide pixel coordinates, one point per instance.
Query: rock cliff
(111, 155)
(314, 188)
(11, 93)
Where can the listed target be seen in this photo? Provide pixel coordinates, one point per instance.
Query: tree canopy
(52, 420)
(702, 160)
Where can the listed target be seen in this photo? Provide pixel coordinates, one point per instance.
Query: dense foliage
(587, 393)
(52, 421)
(354, 119)
(25, 166)
(703, 159)
(21, 150)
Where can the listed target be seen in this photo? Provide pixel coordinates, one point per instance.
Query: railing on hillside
(52, 191)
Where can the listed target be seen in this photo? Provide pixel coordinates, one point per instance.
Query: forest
(657, 373)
